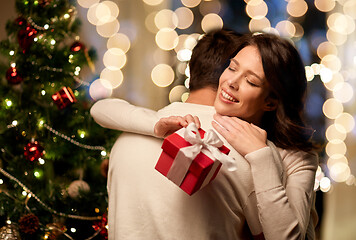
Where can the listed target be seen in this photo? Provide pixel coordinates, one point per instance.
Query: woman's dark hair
(285, 73)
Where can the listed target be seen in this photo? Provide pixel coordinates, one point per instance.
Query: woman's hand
(244, 137)
(168, 125)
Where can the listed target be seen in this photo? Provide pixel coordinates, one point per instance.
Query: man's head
(209, 58)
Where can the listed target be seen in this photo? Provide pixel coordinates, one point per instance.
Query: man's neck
(203, 96)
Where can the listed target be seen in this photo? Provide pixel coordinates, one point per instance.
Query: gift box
(191, 158)
(64, 97)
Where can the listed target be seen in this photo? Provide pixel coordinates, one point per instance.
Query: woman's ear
(270, 104)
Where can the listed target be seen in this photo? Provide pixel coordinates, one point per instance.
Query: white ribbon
(211, 142)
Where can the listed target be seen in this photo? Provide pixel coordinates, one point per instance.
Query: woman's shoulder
(294, 159)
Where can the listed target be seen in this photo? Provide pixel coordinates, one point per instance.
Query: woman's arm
(284, 211)
(120, 115)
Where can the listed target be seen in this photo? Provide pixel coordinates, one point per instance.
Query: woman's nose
(233, 84)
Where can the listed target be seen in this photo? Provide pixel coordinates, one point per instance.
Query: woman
(261, 95)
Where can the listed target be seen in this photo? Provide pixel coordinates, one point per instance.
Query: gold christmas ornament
(10, 232)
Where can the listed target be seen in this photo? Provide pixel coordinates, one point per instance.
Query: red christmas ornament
(77, 46)
(64, 97)
(25, 37)
(101, 225)
(33, 151)
(12, 76)
(20, 21)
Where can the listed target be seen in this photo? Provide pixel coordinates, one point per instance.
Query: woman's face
(243, 90)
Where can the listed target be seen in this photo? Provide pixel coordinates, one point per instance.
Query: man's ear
(270, 104)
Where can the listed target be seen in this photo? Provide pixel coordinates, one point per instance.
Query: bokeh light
(256, 9)
(332, 133)
(335, 79)
(153, 2)
(114, 77)
(331, 62)
(350, 8)
(87, 3)
(340, 172)
(190, 3)
(211, 22)
(335, 146)
(100, 89)
(166, 18)
(167, 38)
(185, 17)
(325, 184)
(336, 158)
(326, 48)
(162, 75)
(175, 95)
(114, 58)
(335, 37)
(286, 28)
(91, 14)
(343, 92)
(119, 40)
(332, 108)
(260, 24)
(297, 8)
(108, 29)
(324, 5)
(345, 121)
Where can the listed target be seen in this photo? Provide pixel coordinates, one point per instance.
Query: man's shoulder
(180, 108)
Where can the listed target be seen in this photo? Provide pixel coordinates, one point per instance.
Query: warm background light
(119, 40)
(297, 8)
(166, 18)
(324, 5)
(153, 2)
(87, 3)
(175, 95)
(256, 9)
(190, 3)
(211, 22)
(332, 133)
(162, 75)
(167, 38)
(114, 58)
(108, 29)
(332, 108)
(114, 77)
(185, 17)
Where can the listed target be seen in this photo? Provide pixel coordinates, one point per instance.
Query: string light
(99, 148)
(27, 192)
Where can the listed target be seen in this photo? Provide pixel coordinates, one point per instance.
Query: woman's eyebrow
(248, 71)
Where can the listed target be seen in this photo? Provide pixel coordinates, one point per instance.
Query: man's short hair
(210, 57)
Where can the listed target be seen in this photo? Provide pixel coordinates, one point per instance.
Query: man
(145, 205)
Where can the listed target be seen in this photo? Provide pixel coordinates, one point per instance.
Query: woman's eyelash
(251, 83)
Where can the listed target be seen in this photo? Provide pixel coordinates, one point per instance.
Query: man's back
(146, 205)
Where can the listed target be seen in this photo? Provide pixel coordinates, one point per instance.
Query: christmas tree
(51, 186)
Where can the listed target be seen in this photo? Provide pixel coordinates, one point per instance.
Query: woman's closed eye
(253, 84)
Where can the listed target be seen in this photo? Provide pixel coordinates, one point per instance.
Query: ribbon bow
(211, 142)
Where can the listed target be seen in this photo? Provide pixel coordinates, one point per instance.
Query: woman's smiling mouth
(226, 96)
